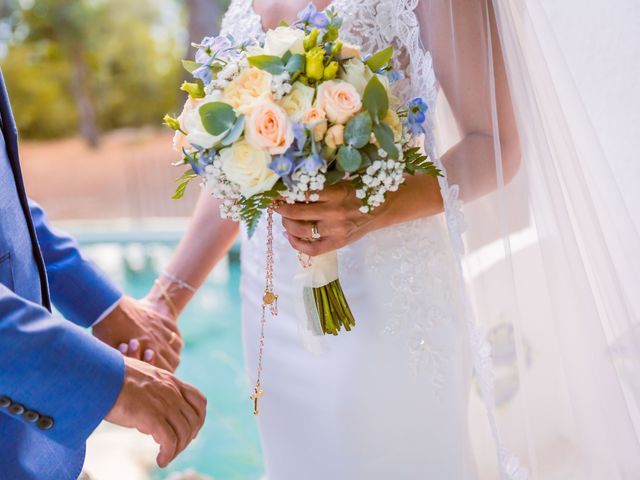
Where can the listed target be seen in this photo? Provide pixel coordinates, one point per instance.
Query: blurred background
(90, 81)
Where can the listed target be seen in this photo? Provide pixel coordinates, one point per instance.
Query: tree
(69, 24)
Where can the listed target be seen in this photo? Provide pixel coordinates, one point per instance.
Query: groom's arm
(81, 292)
(54, 369)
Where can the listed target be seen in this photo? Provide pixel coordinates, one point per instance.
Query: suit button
(31, 416)
(16, 409)
(45, 423)
(5, 402)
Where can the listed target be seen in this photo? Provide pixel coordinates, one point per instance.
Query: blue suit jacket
(56, 382)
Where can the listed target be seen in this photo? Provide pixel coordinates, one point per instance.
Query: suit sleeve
(53, 367)
(79, 290)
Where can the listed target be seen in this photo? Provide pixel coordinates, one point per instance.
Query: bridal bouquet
(282, 119)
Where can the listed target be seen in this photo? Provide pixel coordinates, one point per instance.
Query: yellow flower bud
(311, 40)
(331, 71)
(336, 49)
(315, 63)
(171, 122)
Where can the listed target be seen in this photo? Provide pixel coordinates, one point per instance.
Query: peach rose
(340, 100)
(250, 87)
(335, 136)
(319, 118)
(268, 127)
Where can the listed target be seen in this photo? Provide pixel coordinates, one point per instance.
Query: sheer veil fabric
(549, 251)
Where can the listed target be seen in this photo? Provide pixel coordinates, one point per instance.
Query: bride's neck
(273, 12)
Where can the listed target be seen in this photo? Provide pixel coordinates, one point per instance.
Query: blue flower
(394, 75)
(310, 16)
(313, 163)
(282, 165)
(416, 114)
(299, 135)
(203, 73)
(211, 47)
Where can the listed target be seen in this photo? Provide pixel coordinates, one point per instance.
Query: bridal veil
(540, 211)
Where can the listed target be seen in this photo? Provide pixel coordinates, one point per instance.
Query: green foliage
(217, 117)
(235, 132)
(183, 182)
(375, 99)
(254, 207)
(380, 59)
(190, 66)
(349, 159)
(268, 63)
(415, 162)
(357, 132)
(384, 135)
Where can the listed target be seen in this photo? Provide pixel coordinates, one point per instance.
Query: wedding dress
(525, 294)
(388, 399)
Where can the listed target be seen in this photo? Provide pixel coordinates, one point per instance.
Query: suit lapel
(10, 133)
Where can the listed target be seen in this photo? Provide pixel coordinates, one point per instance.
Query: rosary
(270, 301)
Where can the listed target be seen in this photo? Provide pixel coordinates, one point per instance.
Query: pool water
(227, 447)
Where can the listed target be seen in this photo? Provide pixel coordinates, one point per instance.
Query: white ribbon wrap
(314, 272)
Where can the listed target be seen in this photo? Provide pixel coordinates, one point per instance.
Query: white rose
(191, 122)
(248, 167)
(356, 73)
(282, 40)
(298, 102)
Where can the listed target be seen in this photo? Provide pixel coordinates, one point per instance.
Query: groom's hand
(157, 403)
(147, 334)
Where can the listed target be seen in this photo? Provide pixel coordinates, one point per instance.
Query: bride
(390, 399)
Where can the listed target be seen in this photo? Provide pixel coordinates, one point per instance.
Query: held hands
(336, 217)
(156, 403)
(147, 334)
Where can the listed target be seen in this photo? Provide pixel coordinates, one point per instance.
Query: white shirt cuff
(106, 312)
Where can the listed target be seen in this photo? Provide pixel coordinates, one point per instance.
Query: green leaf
(217, 117)
(235, 132)
(195, 90)
(380, 59)
(283, 24)
(384, 135)
(254, 206)
(190, 66)
(357, 132)
(268, 63)
(333, 176)
(349, 159)
(295, 63)
(375, 99)
(182, 186)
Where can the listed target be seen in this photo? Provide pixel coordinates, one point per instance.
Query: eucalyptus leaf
(380, 59)
(217, 117)
(375, 99)
(268, 63)
(333, 176)
(296, 63)
(235, 132)
(384, 135)
(349, 159)
(357, 132)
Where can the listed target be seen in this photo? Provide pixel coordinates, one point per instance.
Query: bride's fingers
(311, 248)
(302, 211)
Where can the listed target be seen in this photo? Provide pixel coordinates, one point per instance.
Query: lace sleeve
(376, 24)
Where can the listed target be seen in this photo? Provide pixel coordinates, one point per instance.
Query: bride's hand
(337, 218)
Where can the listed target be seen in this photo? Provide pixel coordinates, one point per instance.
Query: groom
(57, 383)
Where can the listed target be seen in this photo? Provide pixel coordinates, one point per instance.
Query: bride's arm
(206, 241)
(474, 81)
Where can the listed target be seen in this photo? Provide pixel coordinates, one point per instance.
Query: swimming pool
(227, 447)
